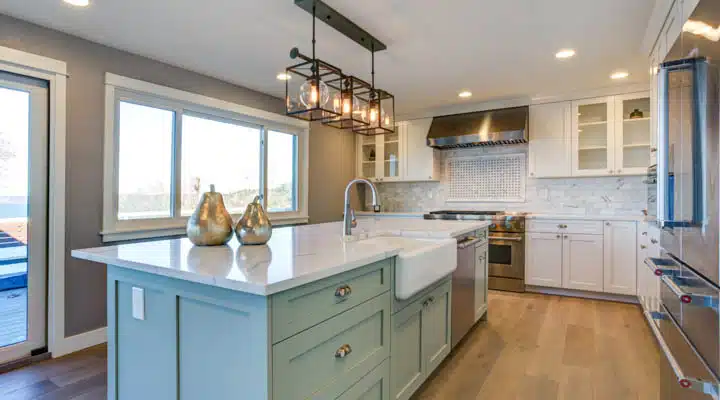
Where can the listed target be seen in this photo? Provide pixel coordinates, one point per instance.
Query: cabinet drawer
(583, 227)
(298, 309)
(310, 365)
(374, 386)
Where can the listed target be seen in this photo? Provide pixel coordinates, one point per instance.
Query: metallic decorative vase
(210, 224)
(254, 227)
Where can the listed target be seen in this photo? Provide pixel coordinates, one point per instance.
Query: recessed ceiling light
(565, 53)
(465, 94)
(283, 76)
(78, 3)
(620, 75)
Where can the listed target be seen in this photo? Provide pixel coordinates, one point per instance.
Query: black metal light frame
(356, 115)
(342, 88)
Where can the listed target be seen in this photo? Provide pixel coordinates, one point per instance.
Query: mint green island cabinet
(321, 326)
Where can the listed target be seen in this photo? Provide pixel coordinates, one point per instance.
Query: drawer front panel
(311, 364)
(298, 309)
(374, 386)
(584, 227)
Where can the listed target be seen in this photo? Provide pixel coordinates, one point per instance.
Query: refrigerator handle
(711, 388)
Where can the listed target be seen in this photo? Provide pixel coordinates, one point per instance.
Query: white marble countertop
(589, 217)
(293, 257)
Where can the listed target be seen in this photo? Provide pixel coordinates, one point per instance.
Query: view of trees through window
(214, 151)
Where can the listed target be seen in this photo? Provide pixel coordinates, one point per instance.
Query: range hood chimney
(482, 128)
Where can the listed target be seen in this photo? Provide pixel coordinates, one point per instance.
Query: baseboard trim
(79, 342)
(583, 294)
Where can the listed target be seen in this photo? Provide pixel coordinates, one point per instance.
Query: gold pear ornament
(254, 227)
(211, 223)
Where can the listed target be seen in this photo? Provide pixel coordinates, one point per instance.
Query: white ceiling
(495, 48)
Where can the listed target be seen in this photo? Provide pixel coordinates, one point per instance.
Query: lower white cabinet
(583, 255)
(620, 257)
(481, 280)
(543, 259)
(583, 262)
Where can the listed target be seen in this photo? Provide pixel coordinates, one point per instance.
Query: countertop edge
(261, 290)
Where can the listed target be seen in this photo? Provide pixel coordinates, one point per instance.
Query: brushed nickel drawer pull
(343, 351)
(343, 291)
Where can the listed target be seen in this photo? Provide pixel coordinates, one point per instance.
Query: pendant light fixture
(319, 91)
(380, 107)
(311, 85)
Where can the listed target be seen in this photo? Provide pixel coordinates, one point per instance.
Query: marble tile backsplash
(586, 196)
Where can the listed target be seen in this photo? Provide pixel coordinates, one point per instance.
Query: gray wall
(332, 166)
(87, 64)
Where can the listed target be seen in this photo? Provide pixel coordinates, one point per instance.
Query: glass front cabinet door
(632, 127)
(380, 158)
(593, 137)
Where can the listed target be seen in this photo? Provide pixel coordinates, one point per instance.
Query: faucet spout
(349, 217)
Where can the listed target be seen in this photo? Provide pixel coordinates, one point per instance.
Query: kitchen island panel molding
(173, 343)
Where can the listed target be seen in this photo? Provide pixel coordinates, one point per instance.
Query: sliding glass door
(23, 215)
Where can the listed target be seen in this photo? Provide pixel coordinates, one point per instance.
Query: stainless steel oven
(506, 261)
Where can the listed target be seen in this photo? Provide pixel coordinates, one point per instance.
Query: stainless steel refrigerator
(687, 324)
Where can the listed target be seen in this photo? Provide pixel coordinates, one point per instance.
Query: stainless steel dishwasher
(463, 288)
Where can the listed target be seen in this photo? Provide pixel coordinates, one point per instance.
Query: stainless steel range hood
(482, 128)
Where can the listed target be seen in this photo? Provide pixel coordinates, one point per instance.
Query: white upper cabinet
(402, 156)
(611, 135)
(633, 133)
(420, 159)
(620, 260)
(549, 147)
(593, 137)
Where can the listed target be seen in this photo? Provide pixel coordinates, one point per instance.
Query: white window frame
(119, 88)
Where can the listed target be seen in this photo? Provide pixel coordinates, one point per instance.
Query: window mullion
(176, 188)
(264, 166)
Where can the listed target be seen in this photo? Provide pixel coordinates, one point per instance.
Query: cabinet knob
(610, 171)
(653, 241)
(644, 233)
(430, 177)
(607, 224)
(343, 291)
(642, 246)
(619, 171)
(653, 149)
(532, 174)
(566, 237)
(343, 351)
(557, 237)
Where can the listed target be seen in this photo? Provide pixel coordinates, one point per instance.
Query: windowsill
(163, 232)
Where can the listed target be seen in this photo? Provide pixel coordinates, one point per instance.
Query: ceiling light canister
(78, 3)
(620, 75)
(565, 53)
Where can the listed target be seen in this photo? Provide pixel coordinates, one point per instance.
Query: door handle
(509, 239)
(711, 388)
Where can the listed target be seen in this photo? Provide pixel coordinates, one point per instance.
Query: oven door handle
(508, 239)
(711, 388)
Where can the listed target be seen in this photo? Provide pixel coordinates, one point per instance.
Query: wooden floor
(548, 347)
(532, 347)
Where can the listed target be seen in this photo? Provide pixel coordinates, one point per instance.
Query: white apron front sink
(421, 262)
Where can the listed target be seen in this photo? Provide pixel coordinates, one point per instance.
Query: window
(144, 162)
(166, 148)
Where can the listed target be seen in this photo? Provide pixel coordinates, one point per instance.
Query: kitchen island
(312, 314)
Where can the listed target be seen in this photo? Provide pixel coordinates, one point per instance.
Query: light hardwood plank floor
(532, 347)
(536, 346)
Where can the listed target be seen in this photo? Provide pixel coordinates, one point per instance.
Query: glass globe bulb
(309, 94)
